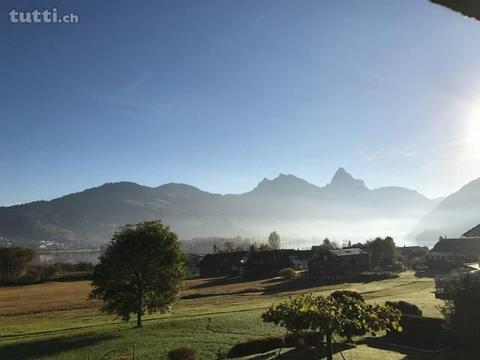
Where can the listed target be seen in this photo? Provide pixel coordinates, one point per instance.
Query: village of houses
(450, 259)
(226, 273)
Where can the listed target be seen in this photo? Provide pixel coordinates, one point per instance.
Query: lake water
(68, 256)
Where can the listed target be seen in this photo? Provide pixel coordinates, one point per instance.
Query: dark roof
(413, 247)
(339, 253)
(275, 255)
(473, 232)
(302, 254)
(467, 246)
(347, 252)
(466, 7)
(234, 257)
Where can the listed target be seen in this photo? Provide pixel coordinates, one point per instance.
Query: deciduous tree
(343, 315)
(13, 262)
(141, 271)
(274, 240)
(462, 311)
(382, 250)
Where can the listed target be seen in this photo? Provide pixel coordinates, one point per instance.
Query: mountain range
(455, 215)
(345, 208)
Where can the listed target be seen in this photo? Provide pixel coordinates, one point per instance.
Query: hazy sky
(220, 94)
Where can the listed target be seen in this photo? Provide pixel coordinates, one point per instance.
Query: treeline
(17, 266)
(227, 245)
(14, 262)
(273, 243)
(384, 254)
(382, 250)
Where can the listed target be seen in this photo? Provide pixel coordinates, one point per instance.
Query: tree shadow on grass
(297, 354)
(410, 352)
(221, 281)
(429, 273)
(297, 285)
(43, 348)
(308, 283)
(231, 293)
(291, 285)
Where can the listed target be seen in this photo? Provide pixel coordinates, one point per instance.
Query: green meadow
(56, 321)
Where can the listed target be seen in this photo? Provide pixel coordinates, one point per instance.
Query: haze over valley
(304, 213)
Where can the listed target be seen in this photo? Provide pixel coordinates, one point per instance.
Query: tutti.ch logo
(45, 16)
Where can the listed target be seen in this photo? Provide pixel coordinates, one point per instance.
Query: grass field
(55, 320)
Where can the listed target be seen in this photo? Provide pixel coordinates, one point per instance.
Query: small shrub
(339, 294)
(288, 273)
(424, 332)
(37, 273)
(398, 266)
(78, 267)
(405, 308)
(31, 276)
(181, 353)
(256, 346)
(259, 346)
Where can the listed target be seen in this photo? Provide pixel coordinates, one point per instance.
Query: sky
(220, 94)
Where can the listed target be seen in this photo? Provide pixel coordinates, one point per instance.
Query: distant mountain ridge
(287, 203)
(455, 215)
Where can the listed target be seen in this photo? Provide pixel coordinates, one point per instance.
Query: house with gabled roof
(457, 251)
(339, 264)
(222, 264)
(460, 253)
(269, 263)
(473, 232)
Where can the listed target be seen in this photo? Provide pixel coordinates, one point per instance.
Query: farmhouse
(457, 251)
(269, 263)
(222, 263)
(339, 264)
(325, 264)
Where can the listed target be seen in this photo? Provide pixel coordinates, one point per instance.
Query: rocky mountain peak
(345, 181)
